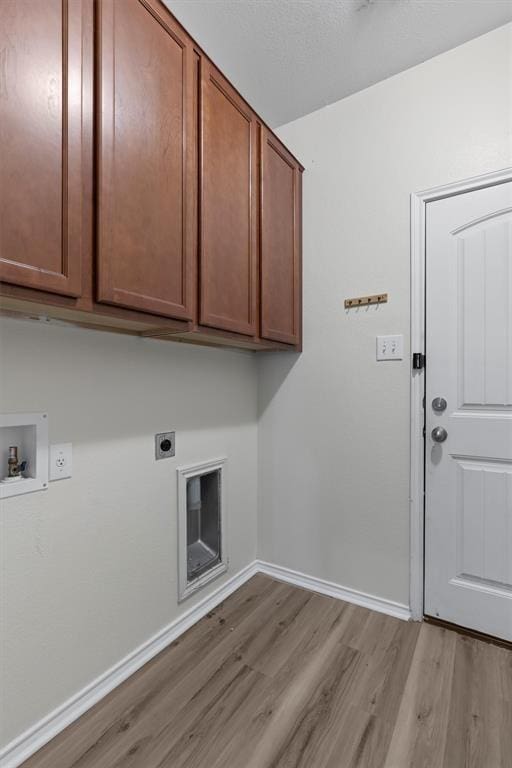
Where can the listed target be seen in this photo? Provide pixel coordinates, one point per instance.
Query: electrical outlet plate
(165, 445)
(61, 461)
(390, 347)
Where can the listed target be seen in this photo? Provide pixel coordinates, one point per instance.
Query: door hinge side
(418, 361)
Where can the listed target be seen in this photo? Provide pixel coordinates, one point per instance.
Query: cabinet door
(41, 79)
(280, 315)
(146, 153)
(228, 257)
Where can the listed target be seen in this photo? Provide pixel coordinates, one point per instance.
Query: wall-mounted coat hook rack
(364, 301)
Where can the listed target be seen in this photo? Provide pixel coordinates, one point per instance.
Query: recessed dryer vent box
(202, 537)
(29, 433)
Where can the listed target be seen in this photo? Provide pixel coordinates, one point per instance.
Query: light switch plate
(61, 461)
(390, 347)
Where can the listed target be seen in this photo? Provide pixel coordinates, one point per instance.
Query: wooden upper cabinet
(146, 160)
(136, 184)
(228, 194)
(280, 269)
(41, 81)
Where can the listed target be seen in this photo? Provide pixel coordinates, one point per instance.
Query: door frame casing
(419, 202)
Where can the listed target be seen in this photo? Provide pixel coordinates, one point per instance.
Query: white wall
(89, 567)
(334, 424)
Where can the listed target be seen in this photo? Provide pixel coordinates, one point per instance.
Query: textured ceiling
(290, 57)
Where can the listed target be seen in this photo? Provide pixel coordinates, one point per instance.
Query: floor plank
(420, 731)
(479, 711)
(278, 677)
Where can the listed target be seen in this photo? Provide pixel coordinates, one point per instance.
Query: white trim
(46, 729)
(329, 588)
(416, 493)
(187, 588)
(418, 262)
(41, 733)
(467, 185)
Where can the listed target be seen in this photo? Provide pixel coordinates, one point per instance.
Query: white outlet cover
(390, 347)
(61, 461)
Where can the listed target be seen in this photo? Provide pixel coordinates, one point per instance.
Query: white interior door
(468, 478)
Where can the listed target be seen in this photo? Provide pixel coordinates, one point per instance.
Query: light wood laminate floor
(280, 677)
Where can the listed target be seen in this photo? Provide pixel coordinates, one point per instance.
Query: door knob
(439, 434)
(439, 404)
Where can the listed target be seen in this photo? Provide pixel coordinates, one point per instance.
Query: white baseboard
(46, 729)
(329, 588)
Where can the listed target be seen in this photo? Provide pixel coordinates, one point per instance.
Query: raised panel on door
(146, 209)
(41, 78)
(228, 254)
(280, 242)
